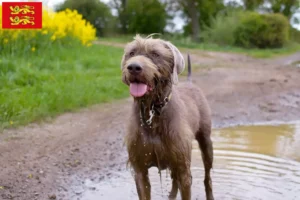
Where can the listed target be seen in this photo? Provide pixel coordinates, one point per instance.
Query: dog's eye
(154, 54)
(131, 54)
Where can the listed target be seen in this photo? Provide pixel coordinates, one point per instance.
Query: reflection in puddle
(251, 162)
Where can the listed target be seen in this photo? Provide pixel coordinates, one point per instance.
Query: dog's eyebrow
(130, 47)
(156, 47)
(132, 44)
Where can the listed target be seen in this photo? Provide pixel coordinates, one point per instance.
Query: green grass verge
(290, 48)
(48, 82)
(256, 53)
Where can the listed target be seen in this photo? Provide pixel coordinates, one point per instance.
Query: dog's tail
(189, 76)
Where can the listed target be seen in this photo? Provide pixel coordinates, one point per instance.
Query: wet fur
(168, 144)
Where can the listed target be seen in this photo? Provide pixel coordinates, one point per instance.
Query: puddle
(297, 63)
(251, 162)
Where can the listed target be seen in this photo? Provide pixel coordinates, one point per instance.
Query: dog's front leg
(174, 190)
(143, 184)
(185, 183)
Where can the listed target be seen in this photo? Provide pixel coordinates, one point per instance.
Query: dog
(165, 118)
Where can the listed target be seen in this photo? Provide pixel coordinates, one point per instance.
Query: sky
(179, 22)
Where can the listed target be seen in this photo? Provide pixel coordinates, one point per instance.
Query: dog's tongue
(138, 89)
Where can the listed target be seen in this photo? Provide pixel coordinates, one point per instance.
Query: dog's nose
(134, 68)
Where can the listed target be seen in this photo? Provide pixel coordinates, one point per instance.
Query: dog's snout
(134, 68)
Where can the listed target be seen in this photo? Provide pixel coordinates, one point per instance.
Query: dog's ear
(122, 61)
(179, 63)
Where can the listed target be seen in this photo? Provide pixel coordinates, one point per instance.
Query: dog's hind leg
(143, 184)
(206, 146)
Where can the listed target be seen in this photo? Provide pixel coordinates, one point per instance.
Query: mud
(54, 160)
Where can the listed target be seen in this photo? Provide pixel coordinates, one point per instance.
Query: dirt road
(52, 160)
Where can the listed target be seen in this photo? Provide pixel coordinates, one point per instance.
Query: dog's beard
(162, 85)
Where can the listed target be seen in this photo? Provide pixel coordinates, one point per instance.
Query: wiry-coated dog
(165, 117)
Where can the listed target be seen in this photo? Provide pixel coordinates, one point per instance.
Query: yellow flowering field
(62, 27)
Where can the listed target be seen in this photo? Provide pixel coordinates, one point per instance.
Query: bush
(222, 28)
(262, 31)
(64, 28)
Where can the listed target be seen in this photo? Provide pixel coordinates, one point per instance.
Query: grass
(256, 53)
(290, 48)
(52, 81)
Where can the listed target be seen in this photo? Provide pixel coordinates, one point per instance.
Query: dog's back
(197, 108)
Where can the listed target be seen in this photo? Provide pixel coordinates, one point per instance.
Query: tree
(252, 4)
(141, 16)
(193, 12)
(190, 12)
(120, 6)
(198, 14)
(94, 11)
(286, 7)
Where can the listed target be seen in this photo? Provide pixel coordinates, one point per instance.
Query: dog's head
(150, 63)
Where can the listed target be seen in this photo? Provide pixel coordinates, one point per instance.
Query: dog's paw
(172, 197)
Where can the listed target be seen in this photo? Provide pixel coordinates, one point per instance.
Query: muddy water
(297, 63)
(251, 162)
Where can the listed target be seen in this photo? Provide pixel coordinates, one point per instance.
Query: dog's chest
(153, 151)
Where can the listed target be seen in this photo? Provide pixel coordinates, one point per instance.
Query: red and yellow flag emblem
(22, 15)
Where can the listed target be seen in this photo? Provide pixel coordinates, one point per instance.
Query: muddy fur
(167, 142)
